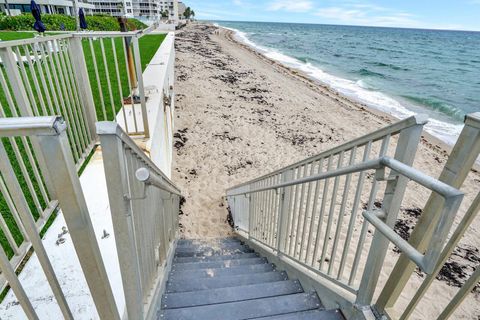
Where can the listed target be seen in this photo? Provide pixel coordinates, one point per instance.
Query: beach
(239, 115)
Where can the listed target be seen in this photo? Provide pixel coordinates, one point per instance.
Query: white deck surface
(65, 261)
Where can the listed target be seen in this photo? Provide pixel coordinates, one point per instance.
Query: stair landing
(224, 279)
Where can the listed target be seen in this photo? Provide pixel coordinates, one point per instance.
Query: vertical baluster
(46, 82)
(284, 210)
(331, 212)
(120, 91)
(363, 232)
(322, 212)
(311, 186)
(265, 210)
(71, 108)
(130, 84)
(35, 81)
(13, 209)
(107, 74)
(74, 96)
(26, 82)
(76, 62)
(97, 77)
(57, 94)
(298, 193)
(299, 236)
(314, 212)
(291, 206)
(275, 213)
(346, 192)
(263, 207)
(353, 216)
(14, 213)
(141, 89)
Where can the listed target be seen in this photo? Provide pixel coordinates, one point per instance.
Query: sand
(240, 115)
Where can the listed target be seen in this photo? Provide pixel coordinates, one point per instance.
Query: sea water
(397, 71)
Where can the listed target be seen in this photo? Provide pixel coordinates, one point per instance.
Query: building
(181, 10)
(115, 8)
(47, 6)
(171, 8)
(144, 10)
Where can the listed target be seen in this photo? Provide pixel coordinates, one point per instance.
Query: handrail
(382, 162)
(109, 127)
(452, 196)
(13, 43)
(150, 178)
(26, 126)
(395, 128)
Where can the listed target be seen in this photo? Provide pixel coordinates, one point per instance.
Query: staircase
(224, 279)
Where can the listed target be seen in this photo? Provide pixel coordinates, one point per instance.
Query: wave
(387, 65)
(359, 91)
(437, 105)
(369, 73)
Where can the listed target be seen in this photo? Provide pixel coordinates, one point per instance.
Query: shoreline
(240, 115)
(429, 139)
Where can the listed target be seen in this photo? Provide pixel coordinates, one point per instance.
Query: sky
(430, 14)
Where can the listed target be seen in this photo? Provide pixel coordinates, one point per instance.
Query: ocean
(397, 71)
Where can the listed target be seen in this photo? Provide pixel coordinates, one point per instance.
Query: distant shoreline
(428, 139)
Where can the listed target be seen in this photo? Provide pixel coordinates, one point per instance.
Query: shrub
(53, 22)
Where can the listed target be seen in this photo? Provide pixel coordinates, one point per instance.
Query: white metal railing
(144, 204)
(49, 133)
(52, 75)
(294, 212)
(117, 54)
(460, 162)
(298, 221)
(37, 78)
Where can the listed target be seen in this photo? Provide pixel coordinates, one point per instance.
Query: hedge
(53, 22)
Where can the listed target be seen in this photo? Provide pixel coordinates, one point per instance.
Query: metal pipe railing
(305, 210)
(145, 220)
(50, 134)
(150, 178)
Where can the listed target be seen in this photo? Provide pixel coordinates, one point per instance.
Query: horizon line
(347, 25)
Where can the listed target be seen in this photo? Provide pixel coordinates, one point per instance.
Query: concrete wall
(158, 80)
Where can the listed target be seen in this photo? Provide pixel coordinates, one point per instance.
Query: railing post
(140, 87)
(460, 162)
(121, 210)
(61, 168)
(83, 82)
(284, 206)
(407, 145)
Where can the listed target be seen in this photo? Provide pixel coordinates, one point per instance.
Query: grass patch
(148, 45)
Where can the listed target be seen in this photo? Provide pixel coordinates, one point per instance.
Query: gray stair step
(248, 309)
(220, 272)
(308, 315)
(222, 295)
(211, 251)
(239, 255)
(219, 245)
(223, 282)
(181, 242)
(217, 264)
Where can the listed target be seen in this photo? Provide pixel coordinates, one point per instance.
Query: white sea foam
(359, 91)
